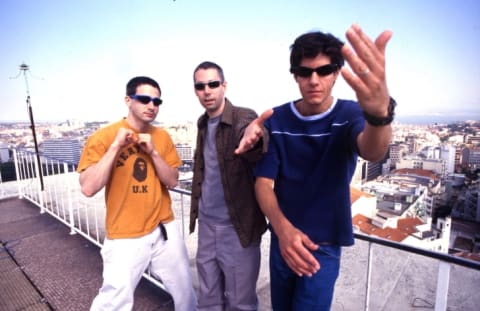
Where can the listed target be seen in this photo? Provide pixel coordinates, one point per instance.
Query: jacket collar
(226, 117)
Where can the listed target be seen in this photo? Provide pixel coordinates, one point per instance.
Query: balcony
(65, 268)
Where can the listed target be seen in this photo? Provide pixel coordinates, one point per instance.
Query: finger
(309, 244)
(244, 146)
(356, 65)
(365, 49)
(130, 137)
(299, 270)
(366, 60)
(240, 149)
(310, 261)
(299, 264)
(357, 54)
(360, 88)
(265, 115)
(252, 134)
(301, 252)
(382, 40)
(144, 138)
(295, 264)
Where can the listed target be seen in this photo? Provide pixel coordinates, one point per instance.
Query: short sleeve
(92, 152)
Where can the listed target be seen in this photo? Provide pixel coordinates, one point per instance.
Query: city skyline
(82, 54)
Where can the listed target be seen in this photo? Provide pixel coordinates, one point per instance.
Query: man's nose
(315, 78)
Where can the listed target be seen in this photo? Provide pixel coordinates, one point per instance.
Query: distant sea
(421, 119)
(437, 119)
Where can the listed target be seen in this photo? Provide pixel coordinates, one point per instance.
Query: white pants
(125, 260)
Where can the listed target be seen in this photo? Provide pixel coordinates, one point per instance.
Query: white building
(67, 150)
(4, 155)
(447, 154)
(416, 162)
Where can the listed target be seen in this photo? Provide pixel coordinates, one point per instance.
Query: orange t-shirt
(136, 200)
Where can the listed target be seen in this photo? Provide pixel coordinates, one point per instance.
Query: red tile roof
(405, 228)
(356, 194)
(416, 171)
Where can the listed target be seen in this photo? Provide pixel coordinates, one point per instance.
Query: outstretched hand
(367, 75)
(253, 132)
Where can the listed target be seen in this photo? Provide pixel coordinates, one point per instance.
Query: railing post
(183, 217)
(369, 276)
(70, 200)
(39, 190)
(17, 173)
(443, 281)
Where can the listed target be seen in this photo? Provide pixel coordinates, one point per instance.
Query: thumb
(309, 243)
(265, 115)
(382, 40)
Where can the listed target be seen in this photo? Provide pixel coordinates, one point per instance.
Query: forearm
(96, 176)
(168, 175)
(373, 142)
(269, 205)
(295, 246)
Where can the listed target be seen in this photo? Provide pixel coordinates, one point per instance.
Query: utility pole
(23, 69)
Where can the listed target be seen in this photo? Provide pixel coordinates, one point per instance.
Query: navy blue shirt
(312, 160)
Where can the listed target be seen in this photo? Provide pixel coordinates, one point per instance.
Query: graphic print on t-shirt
(140, 169)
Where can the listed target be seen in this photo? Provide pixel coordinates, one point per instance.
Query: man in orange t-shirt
(137, 164)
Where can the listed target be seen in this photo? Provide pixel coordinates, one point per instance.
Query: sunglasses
(212, 84)
(322, 71)
(145, 99)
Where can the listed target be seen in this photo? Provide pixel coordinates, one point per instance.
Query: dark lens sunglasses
(145, 99)
(212, 84)
(322, 71)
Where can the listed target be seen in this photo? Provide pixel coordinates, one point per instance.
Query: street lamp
(24, 68)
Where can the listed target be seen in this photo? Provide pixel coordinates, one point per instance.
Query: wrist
(115, 146)
(382, 121)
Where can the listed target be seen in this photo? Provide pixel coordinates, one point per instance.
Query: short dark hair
(311, 44)
(210, 65)
(137, 81)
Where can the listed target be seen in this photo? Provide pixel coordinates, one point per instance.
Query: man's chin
(149, 119)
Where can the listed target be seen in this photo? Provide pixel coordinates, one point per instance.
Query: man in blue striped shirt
(302, 182)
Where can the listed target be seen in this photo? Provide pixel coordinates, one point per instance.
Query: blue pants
(291, 292)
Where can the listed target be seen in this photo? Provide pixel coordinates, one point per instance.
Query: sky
(81, 54)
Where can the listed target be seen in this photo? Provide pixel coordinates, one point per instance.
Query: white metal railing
(61, 198)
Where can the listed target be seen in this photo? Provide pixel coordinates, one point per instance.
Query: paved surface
(43, 267)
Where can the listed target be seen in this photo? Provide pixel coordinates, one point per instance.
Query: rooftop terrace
(49, 256)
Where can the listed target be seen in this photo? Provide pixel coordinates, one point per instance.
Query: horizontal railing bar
(420, 251)
(181, 191)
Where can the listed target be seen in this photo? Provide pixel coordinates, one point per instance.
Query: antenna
(23, 69)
